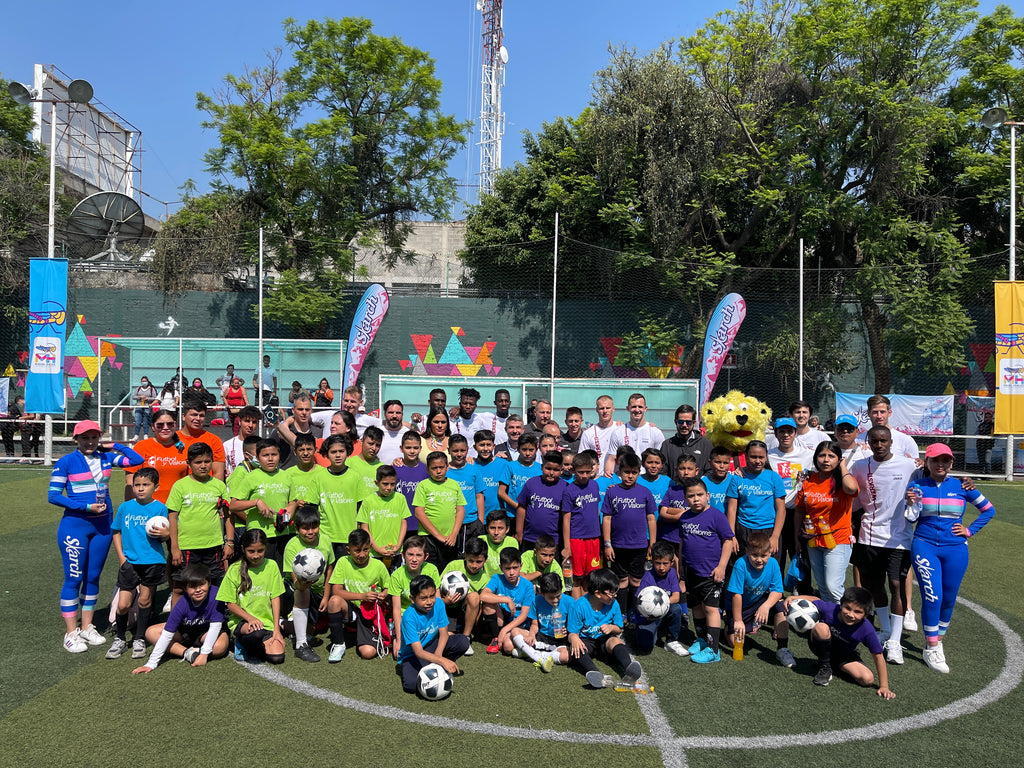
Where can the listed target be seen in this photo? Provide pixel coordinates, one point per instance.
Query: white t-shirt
(595, 438)
(233, 455)
(493, 422)
(811, 439)
(789, 466)
(391, 447)
(638, 438)
(883, 496)
(469, 428)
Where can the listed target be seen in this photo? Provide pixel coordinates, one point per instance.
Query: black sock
(143, 622)
(491, 625)
(821, 648)
(622, 597)
(621, 654)
(783, 642)
(713, 635)
(336, 621)
(585, 663)
(121, 622)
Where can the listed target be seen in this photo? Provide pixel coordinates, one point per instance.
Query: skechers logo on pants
(924, 575)
(72, 546)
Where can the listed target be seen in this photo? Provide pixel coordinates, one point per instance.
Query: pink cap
(86, 426)
(937, 449)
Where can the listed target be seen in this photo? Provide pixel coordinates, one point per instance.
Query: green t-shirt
(530, 565)
(273, 489)
(366, 472)
(384, 518)
(266, 585)
(339, 495)
(439, 501)
(235, 480)
(493, 564)
(477, 581)
(372, 577)
(401, 578)
(199, 523)
(296, 545)
(304, 486)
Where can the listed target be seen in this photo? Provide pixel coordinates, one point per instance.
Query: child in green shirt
(262, 496)
(309, 598)
(440, 507)
(252, 590)
(358, 579)
(384, 515)
(340, 491)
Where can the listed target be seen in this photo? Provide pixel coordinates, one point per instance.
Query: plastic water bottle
(913, 510)
(737, 649)
(567, 574)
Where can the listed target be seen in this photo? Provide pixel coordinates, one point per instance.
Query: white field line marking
(672, 753)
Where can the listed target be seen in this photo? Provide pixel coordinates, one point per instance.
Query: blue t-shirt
(845, 638)
(421, 628)
(552, 619)
(522, 593)
(629, 508)
(543, 504)
(717, 491)
(515, 478)
(586, 622)
(755, 585)
(657, 487)
(755, 498)
(490, 474)
(701, 535)
(139, 547)
(604, 483)
(584, 508)
(468, 478)
(408, 479)
(675, 498)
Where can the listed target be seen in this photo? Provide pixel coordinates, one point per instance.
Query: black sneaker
(824, 674)
(305, 653)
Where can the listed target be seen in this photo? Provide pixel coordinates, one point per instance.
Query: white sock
(525, 649)
(556, 657)
(300, 619)
(883, 620)
(897, 627)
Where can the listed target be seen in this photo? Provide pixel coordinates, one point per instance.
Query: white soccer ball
(802, 615)
(155, 524)
(653, 602)
(309, 564)
(455, 583)
(434, 682)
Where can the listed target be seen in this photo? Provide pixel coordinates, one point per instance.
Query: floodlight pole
(554, 310)
(800, 396)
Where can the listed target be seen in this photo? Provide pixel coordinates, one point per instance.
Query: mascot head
(733, 420)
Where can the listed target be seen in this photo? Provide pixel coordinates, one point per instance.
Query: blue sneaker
(699, 645)
(240, 654)
(706, 656)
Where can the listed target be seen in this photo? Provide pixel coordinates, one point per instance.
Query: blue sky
(146, 61)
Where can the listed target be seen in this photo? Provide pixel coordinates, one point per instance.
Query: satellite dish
(20, 93)
(993, 118)
(105, 217)
(503, 54)
(80, 91)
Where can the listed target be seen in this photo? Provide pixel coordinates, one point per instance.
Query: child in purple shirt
(663, 575)
(539, 504)
(628, 528)
(411, 472)
(581, 521)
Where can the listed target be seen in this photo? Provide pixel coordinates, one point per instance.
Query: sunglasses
(684, 421)
(164, 425)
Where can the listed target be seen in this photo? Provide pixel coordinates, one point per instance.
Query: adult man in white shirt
(467, 421)
(597, 436)
(636, 433)
(882, 551)
(249, 419)
(496, 421)
(393, 428)
(351, 401)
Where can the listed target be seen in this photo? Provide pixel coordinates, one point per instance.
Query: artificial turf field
(62, 709)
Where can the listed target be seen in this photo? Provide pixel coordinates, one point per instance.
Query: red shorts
(586, 556)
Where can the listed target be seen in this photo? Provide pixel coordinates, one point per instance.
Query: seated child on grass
(414, 562)
(463, 613)
(424, 632)
(756, 587)
(544, 641)
(662, 574)
(506, 599)
(358, 580)
(309, 599)
(595, 626)
(252, 589)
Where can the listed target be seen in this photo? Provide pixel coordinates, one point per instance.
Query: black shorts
(629, 562)
(340, 549)
(597, 645)
(750, 610)
(743, 535)
(366, 632)
(212, 557)
(702, 590)
(192, 637)
(874, 561)
(130, 575)
(469, 531)
(551, 640)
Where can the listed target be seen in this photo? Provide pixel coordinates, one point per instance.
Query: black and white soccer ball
(434, 682)
(653, 602)
(455, 583)
(802, 616)
(309, 564)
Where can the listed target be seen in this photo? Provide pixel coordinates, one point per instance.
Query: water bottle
(825, 531)
(913, 510)
(567, 574)
(737, 648)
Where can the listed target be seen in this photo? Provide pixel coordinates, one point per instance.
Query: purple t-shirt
(584, 508)
(185, 615)
(674, 498)
(670, 583)
(543, 505)
(628, 509)
(846, 637)
(700, 540)
(408, 479)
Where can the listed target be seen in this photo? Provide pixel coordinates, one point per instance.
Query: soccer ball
(802, 615)
(455, 583)
(653, 602)
(309, 564)
(155, 523)
(434, 682)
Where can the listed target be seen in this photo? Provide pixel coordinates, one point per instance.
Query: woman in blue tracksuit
(939, 548)
(84, 534)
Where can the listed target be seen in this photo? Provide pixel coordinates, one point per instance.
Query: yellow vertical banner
(1009, 358)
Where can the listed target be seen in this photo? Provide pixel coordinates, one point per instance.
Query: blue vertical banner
(47, 329)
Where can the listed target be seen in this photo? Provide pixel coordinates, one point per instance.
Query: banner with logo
(5, 394)
(47, 329)
(980, 412)
(725, 323)
(369, 314)
(911, 414)
(1009, 358)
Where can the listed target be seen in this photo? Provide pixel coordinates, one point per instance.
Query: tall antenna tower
(492, 119)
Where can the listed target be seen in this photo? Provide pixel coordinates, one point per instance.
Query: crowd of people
(530, 537)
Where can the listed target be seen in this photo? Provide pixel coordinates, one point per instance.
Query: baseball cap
(937, 449)
(785, 421)
(847, 419)
(86, 426)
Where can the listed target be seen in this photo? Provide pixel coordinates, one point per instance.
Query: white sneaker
(116, 649)
(674, 646)
(910, 621)
(893, 651)
(336, 653)
(73, 642)
(934, 658)
(92, 636)
(469, 651)
(138, 648)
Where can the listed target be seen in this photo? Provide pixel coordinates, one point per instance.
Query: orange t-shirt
(323, 461)
(206, 437)
(825, 499)
(168, 461)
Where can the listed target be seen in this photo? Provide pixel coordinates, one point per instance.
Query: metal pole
(554, 310)
(51, 238)
(259, 361)
(181, 383)
(1010, 453)
(801, 278)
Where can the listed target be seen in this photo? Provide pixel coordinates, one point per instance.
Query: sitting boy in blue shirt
(756, 587)
(543, 642)
(425, 638)
(595, 627)
(507, 599)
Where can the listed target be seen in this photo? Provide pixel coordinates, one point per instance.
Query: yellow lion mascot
(734, 419)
